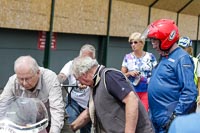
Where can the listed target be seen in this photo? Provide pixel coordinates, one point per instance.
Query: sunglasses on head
(135, 42)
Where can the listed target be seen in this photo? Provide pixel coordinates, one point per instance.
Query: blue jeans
(73, 110)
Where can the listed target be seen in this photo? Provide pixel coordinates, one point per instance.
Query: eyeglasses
(135, 42)
(28, 80)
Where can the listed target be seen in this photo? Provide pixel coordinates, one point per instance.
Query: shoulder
(150, 55)
(47, 73)
(112, 73)
(181, 56)
(13, 77)
(12, 80)
(69, 63)
(129, 55)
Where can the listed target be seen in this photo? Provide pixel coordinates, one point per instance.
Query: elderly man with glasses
(33, 81)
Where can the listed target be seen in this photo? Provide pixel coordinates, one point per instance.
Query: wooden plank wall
(89, 16)
(25, 14)
(188, 26)
(81, 16)
(127, 18)
(171, 5)
(162, 14)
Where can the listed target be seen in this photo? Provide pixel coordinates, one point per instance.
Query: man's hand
(82, 86)
(73, 127)
(81, 121)
(167, 125)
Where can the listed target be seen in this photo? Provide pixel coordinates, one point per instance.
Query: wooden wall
(91, 16)
(188, 26)
(159, 14)
(81, 16)
(127, 18)
(25, 14)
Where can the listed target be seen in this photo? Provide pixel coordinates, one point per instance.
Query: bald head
(26, 62)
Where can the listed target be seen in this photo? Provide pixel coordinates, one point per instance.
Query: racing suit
(171, 89)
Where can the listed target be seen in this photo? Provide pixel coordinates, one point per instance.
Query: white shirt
(81, 96)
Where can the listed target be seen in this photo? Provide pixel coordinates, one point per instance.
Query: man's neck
(32, 89)
(166, 53)
(173, 47)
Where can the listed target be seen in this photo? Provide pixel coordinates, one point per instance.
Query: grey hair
(26, 60)
(88, 47)
(81, 65)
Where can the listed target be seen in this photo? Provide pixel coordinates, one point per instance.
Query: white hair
(81, 65)
(26, 60)
(88, 47)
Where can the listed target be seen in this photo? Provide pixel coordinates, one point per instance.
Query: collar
(96, 77)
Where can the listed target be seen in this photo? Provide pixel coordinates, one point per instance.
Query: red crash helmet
(164, 30)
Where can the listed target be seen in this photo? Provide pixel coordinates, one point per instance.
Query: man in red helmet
(171, 90)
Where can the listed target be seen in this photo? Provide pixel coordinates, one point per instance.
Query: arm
(115, 81)
(62, 77)
(125, 71)
(56, 104)
(131, 73)
(131, 108)
(7, 96)
(65, 72)
(124, 68)
(81, 121)
(188, 92)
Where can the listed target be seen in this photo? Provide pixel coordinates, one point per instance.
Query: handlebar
(62, 85)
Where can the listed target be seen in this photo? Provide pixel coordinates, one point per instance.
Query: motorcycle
(24, 115)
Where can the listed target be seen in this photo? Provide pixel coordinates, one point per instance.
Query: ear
(38, 72)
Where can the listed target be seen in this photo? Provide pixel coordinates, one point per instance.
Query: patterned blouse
(144, 65)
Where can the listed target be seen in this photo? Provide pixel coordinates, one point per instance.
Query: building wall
(78, 22)
(15, 43)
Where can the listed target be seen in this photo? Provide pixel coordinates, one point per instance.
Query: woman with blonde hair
(137, 66)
